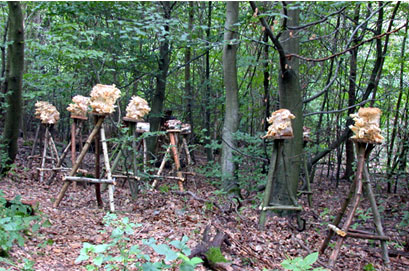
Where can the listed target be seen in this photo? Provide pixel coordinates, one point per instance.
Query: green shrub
(117, 254)
(302, 264)
(15, 221)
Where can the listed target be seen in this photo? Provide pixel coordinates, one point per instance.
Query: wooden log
(88, 180)
(78, 162)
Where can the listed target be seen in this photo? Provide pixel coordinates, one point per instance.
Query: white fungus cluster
(366, 125)
(80, 106)
(137, 108)
(103, 98)
(280, 124)
(46, 112)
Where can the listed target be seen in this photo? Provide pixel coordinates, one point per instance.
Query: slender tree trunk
(209, 151)
(231, 120)
(163, 65)
(266, 84)
(349, 146)
(188, 83)
(14, 78)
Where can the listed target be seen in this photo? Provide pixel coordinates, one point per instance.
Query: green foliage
(302, 264)
(405, 220)
(15, 222)
(369, 267)
(119, 254)
(214, 255)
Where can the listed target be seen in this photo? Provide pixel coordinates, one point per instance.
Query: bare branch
(339, 110)
(289, 56)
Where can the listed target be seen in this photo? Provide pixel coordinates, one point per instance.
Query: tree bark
(291, 99)
(14, 78)
(163, 67)
(349, 146)
(231, 120)
(188, 84)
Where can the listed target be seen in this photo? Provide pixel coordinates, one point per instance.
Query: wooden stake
(98, 167)
(185, 147)
(173, 146)
(44, 153)
(161, 167)
(108, 170)
(269, 187)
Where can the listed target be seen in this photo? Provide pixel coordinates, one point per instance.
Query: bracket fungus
(80, 106)
(366, 125)
(103, 98)
(280, 124)
(137, 108)
(46, 112)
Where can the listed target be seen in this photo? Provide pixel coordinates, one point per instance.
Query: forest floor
(167, 215)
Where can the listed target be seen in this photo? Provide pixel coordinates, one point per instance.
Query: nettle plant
(118, 254)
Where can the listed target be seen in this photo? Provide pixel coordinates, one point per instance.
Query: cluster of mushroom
(46, 112)
(80, 106)
(103, 98)
(280, 124)
(366, 125)
(137, 108)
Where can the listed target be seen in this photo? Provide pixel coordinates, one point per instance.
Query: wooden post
(269, 186)
(79, 160)
(73, 145)
(161, 167)
(97, 166)
(44, 153)
(108, 170)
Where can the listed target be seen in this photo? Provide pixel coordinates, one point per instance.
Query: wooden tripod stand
(141, 147)
(173, 138)
(363, 149)
(76, 127)
(277, 157)
(48, 144)
(98, 128)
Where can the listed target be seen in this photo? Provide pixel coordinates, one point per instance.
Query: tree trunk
(163, 65)
(14, 78)
(231, 120)
(291, 99)
(188, 84)
(209, 151)
(349, 146)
